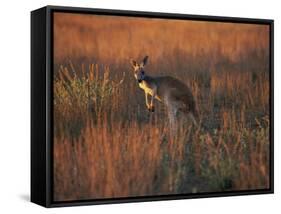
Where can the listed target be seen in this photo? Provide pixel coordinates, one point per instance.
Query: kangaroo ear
(133, 63)
(144, 61)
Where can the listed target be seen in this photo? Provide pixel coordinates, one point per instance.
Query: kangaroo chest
(145, 87)
(148, 89)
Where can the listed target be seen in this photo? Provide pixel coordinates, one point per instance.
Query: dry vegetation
(106, 144)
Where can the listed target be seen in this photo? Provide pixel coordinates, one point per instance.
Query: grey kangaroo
(176, 96)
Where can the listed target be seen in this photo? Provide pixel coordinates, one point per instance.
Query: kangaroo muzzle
(142, 76)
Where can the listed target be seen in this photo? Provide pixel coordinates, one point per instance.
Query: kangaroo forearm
(152, 100)
(146, 99)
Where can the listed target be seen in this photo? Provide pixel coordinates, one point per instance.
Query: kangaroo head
(138, 69)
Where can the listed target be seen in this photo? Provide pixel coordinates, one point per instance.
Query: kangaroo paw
(151, 109)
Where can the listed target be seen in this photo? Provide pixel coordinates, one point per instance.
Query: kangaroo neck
(146, 78)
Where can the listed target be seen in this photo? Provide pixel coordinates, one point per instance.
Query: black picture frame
(41, 104)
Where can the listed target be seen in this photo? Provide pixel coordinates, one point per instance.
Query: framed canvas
(131, 106)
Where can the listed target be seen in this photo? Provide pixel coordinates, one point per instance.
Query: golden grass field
(106, 143)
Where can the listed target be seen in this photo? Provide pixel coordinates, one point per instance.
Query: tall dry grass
(106, 144)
